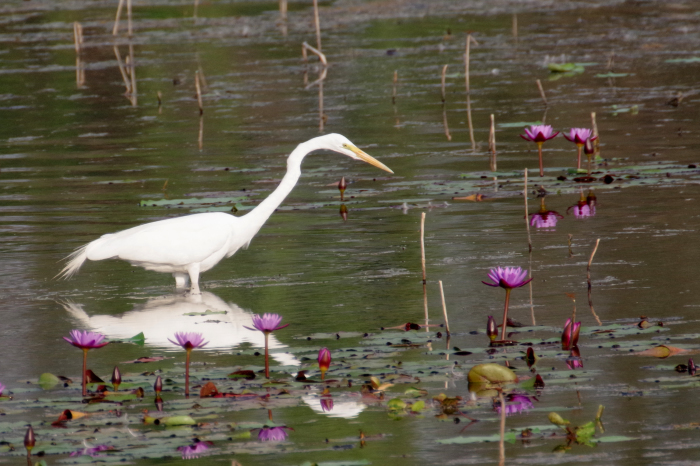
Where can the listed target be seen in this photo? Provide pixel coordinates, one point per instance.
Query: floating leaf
(491, 373)
(205, 313)
(47, 381)
(557, 420)
(662, 351)
(137, 339)
(565, 67)
(613, 75)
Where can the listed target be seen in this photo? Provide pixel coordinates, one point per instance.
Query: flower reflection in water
(273, 434)
(193, 451)
(585, 207)
(574, 360)
(545, 219)
(516, 404)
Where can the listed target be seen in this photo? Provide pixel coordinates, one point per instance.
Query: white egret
(185, 246)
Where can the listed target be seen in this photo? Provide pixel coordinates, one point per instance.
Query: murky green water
(76, 162)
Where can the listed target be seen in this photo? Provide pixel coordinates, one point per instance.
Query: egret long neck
(258, 216)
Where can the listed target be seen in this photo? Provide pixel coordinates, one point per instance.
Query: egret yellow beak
(368, 158)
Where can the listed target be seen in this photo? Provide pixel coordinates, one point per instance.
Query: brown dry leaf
(662, 351)
(472, 197)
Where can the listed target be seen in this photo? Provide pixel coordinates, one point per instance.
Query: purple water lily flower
(2, 388)
(582, 210)
(507, 278)
(273, 434)
(193, 451)
(539, 134)
(85, 341)
(516, 404)
(267, 323)
(189, 341)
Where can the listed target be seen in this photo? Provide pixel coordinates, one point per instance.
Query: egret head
(339, 143)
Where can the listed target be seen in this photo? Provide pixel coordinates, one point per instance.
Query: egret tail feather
(75, 260)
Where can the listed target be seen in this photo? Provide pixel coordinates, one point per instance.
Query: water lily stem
(267, 360)
(85, 351)
(505, 315)
(187, 373)
(578, 159)
(501, 443)
(539, 149)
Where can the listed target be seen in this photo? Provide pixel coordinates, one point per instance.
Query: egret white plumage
(185, 246)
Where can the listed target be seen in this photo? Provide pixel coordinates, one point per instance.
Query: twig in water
(393, 90)
(595, 136)
(305, 46)
(539, 86)
(444, 122)
(283, 9)
(200, 138)
(469, 122)
(422, 260)
(590, 301)
(444, 310)
(115, 29)
(317, 22)
(128, 17)
(527, 214)
(444, 70)
(78, 36)
(571, 253)
(196, 6)
(160, 102)
(492, 143)
(467, 51)
(199, 92)
(501, 442)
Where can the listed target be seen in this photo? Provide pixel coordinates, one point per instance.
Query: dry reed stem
(492, 142)
(317, 23)
(444, 122)
(196, 6)
(422, 260)
(514, 27)
(128, 17)
(527, 214)
(283, 9)
(199, 92)
(596, 141)
(78, 37)
(115, 29)
(321, 76)
(395, 83)
(539, 86)
(590, 301)
(305, 46)
(444, 309)
(442, 80)
(469, 122)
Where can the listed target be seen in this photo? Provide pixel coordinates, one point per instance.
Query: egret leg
(194, 278)
(180, 279)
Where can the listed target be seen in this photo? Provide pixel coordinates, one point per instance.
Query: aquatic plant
(539, 134)
(193, 451)
(85, 341)
(116, 378)
(507, 278)
(324, 361)
(189, 341)
(267, 324)
(491, 328)
(579, 136)
(569, 337)
(273, 434)
(29, 440)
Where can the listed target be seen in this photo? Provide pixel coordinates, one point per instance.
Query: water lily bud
(116, 378)
(569, 337)
(691, 367)
(344, 212)
(158, 386)
(29, 440)
(324, 361)
(491, 329)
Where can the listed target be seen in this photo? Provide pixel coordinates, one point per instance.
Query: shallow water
(76, 162)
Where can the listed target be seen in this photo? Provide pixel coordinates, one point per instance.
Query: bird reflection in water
(159, 319)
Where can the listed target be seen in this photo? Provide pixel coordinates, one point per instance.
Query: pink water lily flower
(539, 134)
(545, 220)
(324, 361)
(507, 278)
(579, 136)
